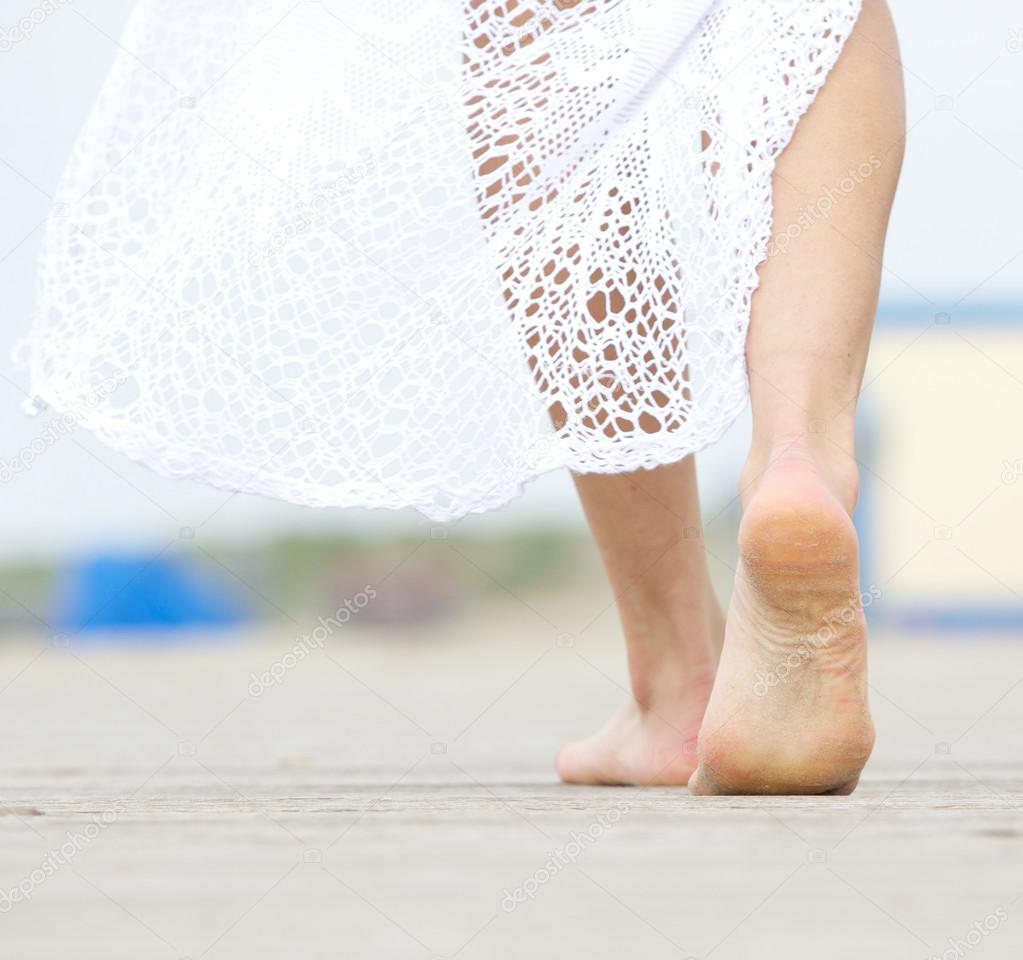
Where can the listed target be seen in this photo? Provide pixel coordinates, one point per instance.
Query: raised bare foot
(788, 714)
(652, 741)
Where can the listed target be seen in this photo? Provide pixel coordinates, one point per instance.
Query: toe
(572, 763)
(561, 764)
(588, 761)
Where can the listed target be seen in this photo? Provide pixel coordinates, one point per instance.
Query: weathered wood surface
(386, 795)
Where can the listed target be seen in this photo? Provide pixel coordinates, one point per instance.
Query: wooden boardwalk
(392, 797)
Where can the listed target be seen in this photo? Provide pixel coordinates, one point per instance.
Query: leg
(789, 709)
(672, 622)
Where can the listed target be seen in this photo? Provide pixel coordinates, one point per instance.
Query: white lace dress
(417, 252)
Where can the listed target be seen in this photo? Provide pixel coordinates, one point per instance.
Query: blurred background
(94, 548)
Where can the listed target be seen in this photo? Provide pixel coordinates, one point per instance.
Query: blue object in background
(867, 434)
(107, 592)
(934, 618)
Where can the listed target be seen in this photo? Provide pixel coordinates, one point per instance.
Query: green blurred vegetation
(295, 576)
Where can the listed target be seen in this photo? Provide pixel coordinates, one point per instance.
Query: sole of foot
(789, 714)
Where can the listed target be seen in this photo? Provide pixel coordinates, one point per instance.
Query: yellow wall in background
(943, 464)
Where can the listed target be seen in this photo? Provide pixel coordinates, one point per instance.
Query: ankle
(833, 459)
(669, 688)
(671, 660)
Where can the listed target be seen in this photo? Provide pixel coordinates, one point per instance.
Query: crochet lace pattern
(331, 252)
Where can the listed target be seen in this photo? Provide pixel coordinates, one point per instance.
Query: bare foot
(789, 713)
(637, 746)
(652, 741)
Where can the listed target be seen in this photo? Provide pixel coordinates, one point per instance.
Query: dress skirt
(419, 252)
